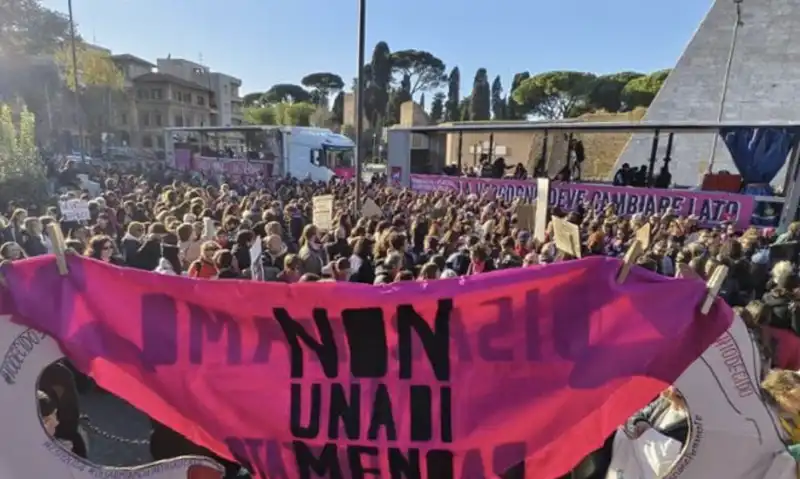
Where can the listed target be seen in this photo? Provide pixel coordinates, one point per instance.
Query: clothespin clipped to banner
(713, 285)
(59, 248)
(634, 251)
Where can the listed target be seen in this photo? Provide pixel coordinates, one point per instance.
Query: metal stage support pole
(75, 79)
(362, 14)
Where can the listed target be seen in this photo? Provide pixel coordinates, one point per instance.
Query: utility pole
(362, 11)
(78, 107)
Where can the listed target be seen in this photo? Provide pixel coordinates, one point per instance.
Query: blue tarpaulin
(758, 153)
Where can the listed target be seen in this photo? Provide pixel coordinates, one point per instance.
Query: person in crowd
(312, 255)
(32, 239)
(131, 242)
(11, 251)
(241, 248)
(623, 175)
(148, 255)
(170, 262)
(225, 263)
(102, 248)
(291, 272)
(189, 241)
(205, 267)
(273, 257)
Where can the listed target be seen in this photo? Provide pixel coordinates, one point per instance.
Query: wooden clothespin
(713, 285)
(59, 248)
(634, 251)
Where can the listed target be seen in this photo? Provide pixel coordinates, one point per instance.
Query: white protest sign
(74, 210)
(733, 433)
(323, 212)
(542, 199)
(256, 268)
(29, 452)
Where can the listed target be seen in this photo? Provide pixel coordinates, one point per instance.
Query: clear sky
(264, 42)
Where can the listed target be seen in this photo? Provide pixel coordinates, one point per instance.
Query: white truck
(318, 154)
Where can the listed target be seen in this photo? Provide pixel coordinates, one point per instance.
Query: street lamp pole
(362, 10)
(78, 108)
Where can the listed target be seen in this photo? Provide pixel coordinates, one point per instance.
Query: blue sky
(264, 42)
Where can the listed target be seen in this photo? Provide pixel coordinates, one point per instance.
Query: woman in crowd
(205, 267)
(102, 248)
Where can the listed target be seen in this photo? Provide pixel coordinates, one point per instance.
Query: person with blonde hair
(781, 388)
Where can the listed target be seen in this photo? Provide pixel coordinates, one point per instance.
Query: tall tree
(28, 28)
(463, 109)
(498, 102)
(380, 83)
(480, 99)
(606, 93)
(555, 95)
(337, 110)
(322, 84)
(425, 70)
(400, 95)
(437, 107)
(642, 91)
(286, 92)
(253, 99)
(452, 107)
(95, 68)
(513, 110)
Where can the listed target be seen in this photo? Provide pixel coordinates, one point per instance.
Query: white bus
(270, 151)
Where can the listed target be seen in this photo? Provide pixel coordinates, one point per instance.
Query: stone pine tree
(452, 107)
(498, 102)
(480, 101)
(515, 111)
(437, 107)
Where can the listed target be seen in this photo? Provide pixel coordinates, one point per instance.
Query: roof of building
(127, 57)
(167, 78)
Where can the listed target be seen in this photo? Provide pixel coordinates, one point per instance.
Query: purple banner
(710, 207)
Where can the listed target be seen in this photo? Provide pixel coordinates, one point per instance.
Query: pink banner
(710, 207)
(453, 378)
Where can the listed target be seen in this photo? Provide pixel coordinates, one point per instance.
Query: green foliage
(253, 99)
(337, 110)
(498, 101)
(480, 101)
(322, 84)
(437, 107)
(554, 95)
(22, 173)
(425, 70)
(642, 90)
(286, 92)
(380, 80)
(606, 93)
(95, 68)
(452, 107)
(463, 109)
(399, 96)
(282, 113)
(28, 28)
(513, 109)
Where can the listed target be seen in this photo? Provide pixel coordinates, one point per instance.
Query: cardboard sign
(385, 364)
(74, 210)
(370, 209)
(29, 452)
(567, 237)
(643, 235)
(726, 414)
(526, 217)
(323, 212)
(542, 201)
(256, 267)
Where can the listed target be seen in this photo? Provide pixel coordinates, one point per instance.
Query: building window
(176, 95)
(189, 121)
(143, 94)
(157, 119)
(123, 119)
(201, 100)
(160, 142)
(145, 118)
(178, 120)
(147, 141)
(156, 94)
(225, 88)
(187, 97)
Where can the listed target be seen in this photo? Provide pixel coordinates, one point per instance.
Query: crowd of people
(168, 223)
